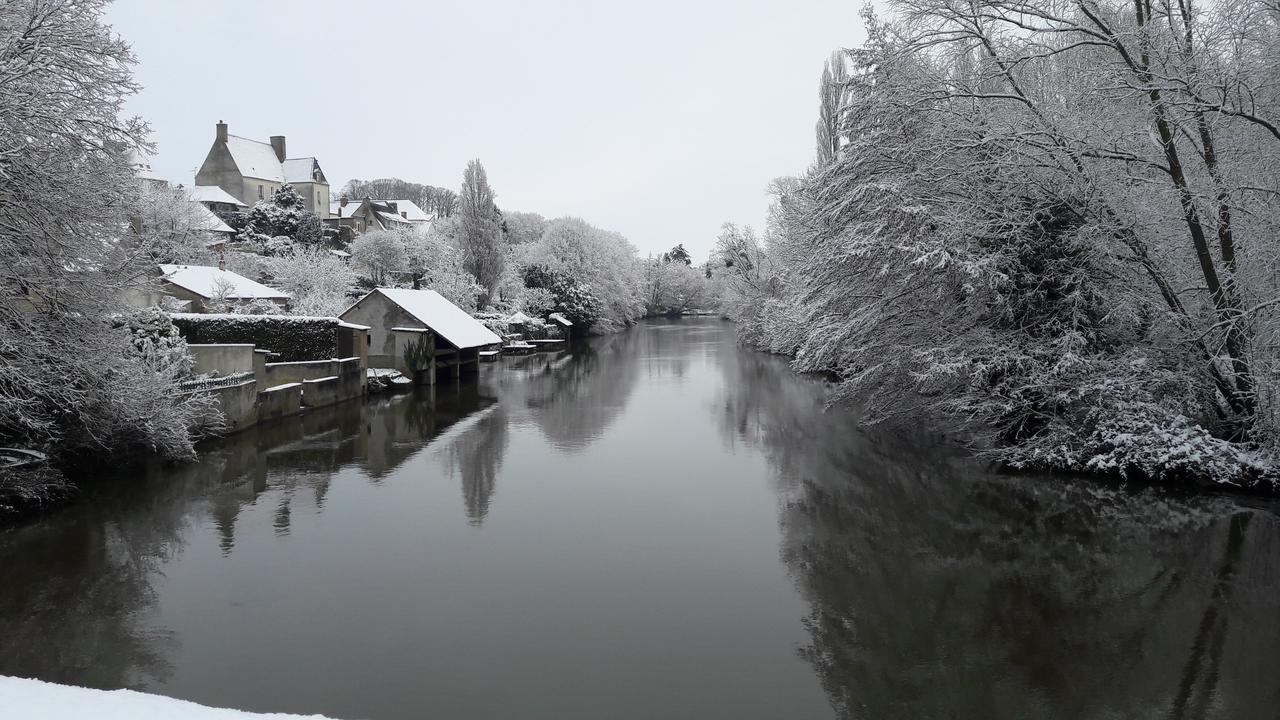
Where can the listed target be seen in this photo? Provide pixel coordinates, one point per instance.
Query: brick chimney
(221, 131)
(277, 144)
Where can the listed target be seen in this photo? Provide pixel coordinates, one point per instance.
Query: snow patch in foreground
(39, 700)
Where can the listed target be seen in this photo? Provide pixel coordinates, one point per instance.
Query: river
(657, 524)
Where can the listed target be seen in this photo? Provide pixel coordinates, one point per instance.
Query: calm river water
(656, 525)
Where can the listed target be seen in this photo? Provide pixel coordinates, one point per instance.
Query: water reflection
(938, 589)
(75, 588)
(620, 527)
(475, 453)
(574, 396)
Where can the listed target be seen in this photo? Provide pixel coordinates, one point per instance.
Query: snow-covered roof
(255, 159)
(560, 319)
(448, 320)
(212, 194)
(207, 281)
(142, 167)
(336, 207)
(298, 170)
(517, 318)
(206, 220)
(410, 210)
(392, 217)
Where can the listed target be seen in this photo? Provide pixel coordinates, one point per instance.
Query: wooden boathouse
(420, 333)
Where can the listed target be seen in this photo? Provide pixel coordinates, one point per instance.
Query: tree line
(1053, 225)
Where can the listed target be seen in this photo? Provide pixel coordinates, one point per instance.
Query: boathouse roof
(443, 317)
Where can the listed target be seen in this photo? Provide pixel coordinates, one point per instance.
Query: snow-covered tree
(522, 228)
(381, 256)
(68, 380)
(601, 262)
(318, 282)
(677, 254)
(170, 228)
(831, 96)
(275, 225)
(672, 287)
(434, 264)
(440, 201)
(1042, 222)
(570, 296)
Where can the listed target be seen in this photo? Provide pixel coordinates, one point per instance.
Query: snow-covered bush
(537, 302)
(154, 337)
(574, 299)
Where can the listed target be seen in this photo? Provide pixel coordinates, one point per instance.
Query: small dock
(519, 347)
(547, 345)
(489, 355)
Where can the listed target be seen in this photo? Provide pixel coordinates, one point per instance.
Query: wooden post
(431, 358)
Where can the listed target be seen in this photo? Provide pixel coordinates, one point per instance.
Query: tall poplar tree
(480, 230)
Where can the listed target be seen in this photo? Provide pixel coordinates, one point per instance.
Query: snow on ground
(38, 700)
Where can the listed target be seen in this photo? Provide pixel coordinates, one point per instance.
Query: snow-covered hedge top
(252, 318)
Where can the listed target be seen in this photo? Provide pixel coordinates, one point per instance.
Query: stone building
(362, 216)
(250, 171)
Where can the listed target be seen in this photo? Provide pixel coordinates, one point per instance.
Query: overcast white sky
(660, 119)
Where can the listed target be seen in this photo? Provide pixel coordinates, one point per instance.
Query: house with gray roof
(352, 218)
(249, 171)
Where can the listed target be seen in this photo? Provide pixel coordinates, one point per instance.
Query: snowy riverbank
(38, 700)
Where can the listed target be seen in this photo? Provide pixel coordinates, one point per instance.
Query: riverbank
(38, 700)
(1077, 424)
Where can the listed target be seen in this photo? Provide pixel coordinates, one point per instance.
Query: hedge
(291, 337)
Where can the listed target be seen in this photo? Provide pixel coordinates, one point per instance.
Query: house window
(259, 192)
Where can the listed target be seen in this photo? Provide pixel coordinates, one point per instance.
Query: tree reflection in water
(572, 397)
(938, 588)
(86, 575)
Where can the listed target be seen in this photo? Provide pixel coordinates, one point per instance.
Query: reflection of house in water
(87, 572)
(403, 425)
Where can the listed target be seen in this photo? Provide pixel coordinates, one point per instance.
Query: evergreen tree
(283, 216)
(677, 254)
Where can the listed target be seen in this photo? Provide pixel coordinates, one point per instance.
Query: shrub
(291, 337)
